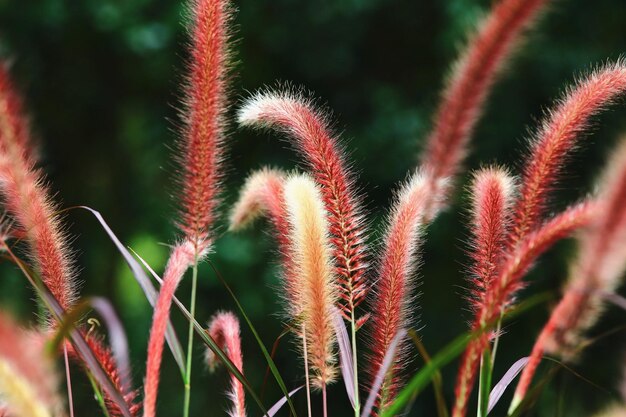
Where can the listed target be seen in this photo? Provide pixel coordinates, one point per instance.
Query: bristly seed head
(315, 292)
(313, 138)
(201, 145)
(224, 329)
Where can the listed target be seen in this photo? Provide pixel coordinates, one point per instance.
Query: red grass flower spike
(297, 117)
(508, 281)
(596, 272)
(557, 138)
(394, 288)
(205, 104)
(105, 358)
(224, 329)
(471, 82)
(27, 200)
(492, 193)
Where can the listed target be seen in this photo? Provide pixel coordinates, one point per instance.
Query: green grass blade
(442, 408)
(220, 354)
(146, 286)
(449, 353)
(484, 384)
(268, 357)
(209, 341)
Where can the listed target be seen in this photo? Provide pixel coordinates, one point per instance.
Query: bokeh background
(102, 81)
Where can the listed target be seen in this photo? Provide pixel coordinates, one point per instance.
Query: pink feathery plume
(27, 200)
(183, 255)
(500, 295)
(224, 329)
(261, 194)
(393, 292)
(596, 272)
(314, 293)
(314, 139)
(556, 139)
(471, 82)
(26, 369)
(200, 161)
(204, 116)
(492, 192)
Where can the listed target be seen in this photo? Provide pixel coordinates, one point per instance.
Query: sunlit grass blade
(345, 355)
(505, 381)
(79, 343)
(449, 353)
(280, 403)
(442, 408)
(146, 286)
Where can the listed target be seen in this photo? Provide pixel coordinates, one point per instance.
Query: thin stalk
(324, 400)
(68, 379)
(192, 312)
(484, 387)
(357, 402)
(98, 395)
(496, 342)
(306, 371)
(442, 409)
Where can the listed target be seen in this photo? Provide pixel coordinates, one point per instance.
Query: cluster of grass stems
(336, 284)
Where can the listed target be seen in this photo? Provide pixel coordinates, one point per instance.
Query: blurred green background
(101, 79)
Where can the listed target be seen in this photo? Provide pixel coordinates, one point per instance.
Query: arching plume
(394, 289)
(596, 272)
(557, 138)
(471, 82)
(313, 138)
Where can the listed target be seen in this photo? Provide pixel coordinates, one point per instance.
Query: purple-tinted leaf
(345, 354)
(506, 380)
(616, 299)
(147, 287)
(380, 376)
(280, 403)
(117, 337)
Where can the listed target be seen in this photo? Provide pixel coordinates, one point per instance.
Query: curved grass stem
(192, 311)
(357, 402)
(70, 396)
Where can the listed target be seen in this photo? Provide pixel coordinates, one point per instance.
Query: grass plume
(224, 329)
(315, 292)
